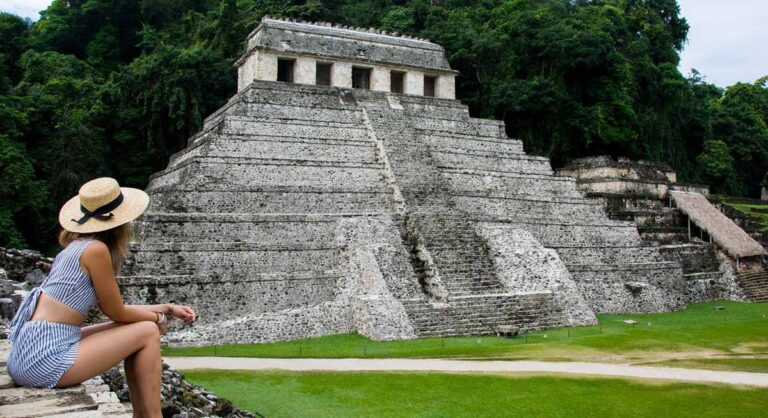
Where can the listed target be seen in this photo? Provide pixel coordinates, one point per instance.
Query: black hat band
(103, 212)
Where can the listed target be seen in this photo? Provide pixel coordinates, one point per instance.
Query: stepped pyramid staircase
(489, 178)
(258, 222)
(755, 285)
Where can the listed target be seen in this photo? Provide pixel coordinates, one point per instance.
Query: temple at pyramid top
(333, 55)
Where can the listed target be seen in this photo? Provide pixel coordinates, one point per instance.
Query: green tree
(741, 119)
(718, 165)
(14, 32)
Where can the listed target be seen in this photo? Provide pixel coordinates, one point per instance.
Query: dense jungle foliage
(113, 87)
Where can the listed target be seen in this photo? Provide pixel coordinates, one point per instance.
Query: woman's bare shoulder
(95, 249)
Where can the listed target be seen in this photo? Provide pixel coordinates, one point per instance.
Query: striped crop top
(66, 281)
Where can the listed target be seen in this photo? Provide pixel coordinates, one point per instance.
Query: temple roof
(336, 42)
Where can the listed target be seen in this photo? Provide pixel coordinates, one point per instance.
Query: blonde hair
(118, 240)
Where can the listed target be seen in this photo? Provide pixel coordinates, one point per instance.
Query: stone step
(537, 199)
(292, 234)
(242, 201)
(305, 151)
(186, 279)
(706, 275)
(191, 152)
(91, 399)
(480, 314)
(608, 255)
(249, 126)
(755, 285)
(466, 161)
(552, 233)
(299, 112)
(486, 128)
(272, 173)
(499, 206)
(473, 143)
(244, 263)
(309, 96)
(468, 271)
(662, 265)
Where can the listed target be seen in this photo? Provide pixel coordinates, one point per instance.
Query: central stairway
(472, 169)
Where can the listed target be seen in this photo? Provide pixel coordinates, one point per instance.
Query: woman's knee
(149, 331)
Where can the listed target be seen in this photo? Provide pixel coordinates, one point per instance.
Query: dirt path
(438, 365)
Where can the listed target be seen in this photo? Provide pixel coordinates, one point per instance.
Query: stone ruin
(344, 189)
(647, 193)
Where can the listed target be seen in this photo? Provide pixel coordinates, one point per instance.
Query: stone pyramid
(303, 210)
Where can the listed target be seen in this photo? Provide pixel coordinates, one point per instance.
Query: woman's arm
(160, 307)
(98, 262)
(185, 313)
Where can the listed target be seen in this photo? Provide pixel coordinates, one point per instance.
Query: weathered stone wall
(524, 265)
(20, 271)
(605, 175)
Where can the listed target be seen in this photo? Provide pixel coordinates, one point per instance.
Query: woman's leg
(130, 375)
(130, 378)
(101, 351)
(103, 326)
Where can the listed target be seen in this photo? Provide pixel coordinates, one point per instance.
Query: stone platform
(92, 399)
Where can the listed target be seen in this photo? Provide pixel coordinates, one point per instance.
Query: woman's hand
(163, 327)
(184, 313)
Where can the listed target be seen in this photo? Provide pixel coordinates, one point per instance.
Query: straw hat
(102, 204)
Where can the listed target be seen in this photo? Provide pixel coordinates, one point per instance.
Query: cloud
(25, 8)
(727, 40)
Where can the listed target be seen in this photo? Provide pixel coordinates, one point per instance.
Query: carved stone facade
(312, 53)
(605, 175)
(302, 210)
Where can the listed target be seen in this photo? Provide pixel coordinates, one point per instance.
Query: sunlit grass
(756, 211)
(291, 394)
(739, 328)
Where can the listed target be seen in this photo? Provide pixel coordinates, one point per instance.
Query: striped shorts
(42, 352)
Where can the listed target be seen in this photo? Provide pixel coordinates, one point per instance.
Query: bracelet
(161, 318)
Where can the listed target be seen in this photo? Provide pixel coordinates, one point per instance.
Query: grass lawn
(697, 332)
(290, 394)
(756, 211)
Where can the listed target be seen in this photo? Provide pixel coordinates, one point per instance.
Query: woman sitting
(50, 346)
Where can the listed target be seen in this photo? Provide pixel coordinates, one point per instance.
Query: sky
(727, 41)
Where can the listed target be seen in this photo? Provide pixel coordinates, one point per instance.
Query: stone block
(304, 72)
(414, 83)
(35, 277)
